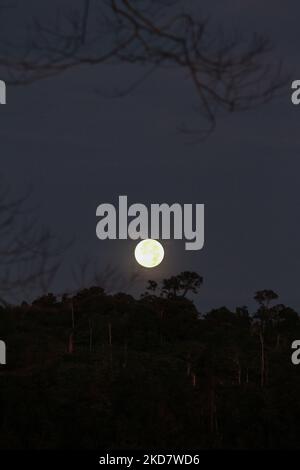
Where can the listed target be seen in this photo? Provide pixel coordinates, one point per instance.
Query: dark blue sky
(79, 149)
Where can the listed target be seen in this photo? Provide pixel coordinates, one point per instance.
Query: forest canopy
(95, 370)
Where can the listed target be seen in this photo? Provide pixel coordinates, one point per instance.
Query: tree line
(95, 370)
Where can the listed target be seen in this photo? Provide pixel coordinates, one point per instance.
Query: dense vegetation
(109, 371)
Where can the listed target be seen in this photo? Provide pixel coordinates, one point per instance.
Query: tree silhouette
(127, 377)
(182, 284)
(264, 314)
(228, 72)
(30, 255)
(265, 297)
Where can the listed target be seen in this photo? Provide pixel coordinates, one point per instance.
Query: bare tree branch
(87, 272)
(29, 255)
(228, 72)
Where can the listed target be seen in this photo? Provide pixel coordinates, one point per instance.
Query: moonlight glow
(149, 253)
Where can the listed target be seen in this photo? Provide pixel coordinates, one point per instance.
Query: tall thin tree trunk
(212, 406)
(71, 343)
(161, 339)
(239, 370)
(110, 345)
(90, 336)
(125, 356)
(277, 341)
(262, 366)
(194, 379)
(73, 316)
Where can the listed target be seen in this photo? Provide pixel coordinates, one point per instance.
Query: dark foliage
(110, 371)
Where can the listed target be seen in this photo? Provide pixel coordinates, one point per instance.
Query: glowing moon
(149, 253)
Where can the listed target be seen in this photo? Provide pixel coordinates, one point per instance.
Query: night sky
(79, 147)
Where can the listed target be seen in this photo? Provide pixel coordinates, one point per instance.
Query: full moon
(149, 253)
